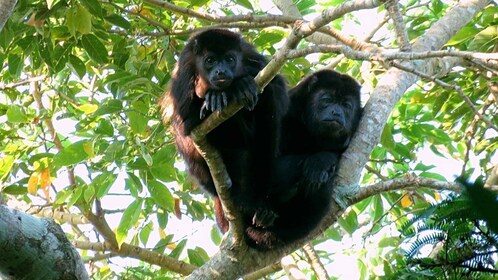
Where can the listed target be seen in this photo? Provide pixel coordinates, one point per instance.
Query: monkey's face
(219, 69)
(331, 114)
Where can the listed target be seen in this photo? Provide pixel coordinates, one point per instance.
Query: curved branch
(408, 182)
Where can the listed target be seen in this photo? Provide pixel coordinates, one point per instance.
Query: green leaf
(245, 3)
(129, 218)
(79, 20)
(77, 66)
(15, 190)
(88, 108)
(389, 242)
(72, 154)
(118, 21)
(145, 233)
(215, 235)
(431, 175)
(16, 114)
(103, 183)
(95, 49)
(484, 41)
(138, 122)
(161, 195)
(386, 138)
(93, 6)
(105, 128)
(61, 196)
(334, 234)
(110, 106)
(197, 256)
(349, 223)
(75, 195)
(178, 249)
(15, 65)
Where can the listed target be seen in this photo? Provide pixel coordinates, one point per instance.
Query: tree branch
(316, 264)
(135, 252)
(408, 182)
(392, 7)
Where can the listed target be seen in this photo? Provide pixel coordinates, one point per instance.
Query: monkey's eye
(230, 59)
(209, 61)
(347, 105)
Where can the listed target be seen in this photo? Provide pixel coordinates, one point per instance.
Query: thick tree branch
(6, 9)
(35, 248)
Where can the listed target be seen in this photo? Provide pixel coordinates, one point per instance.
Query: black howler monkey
(217, 67)
(324, 113)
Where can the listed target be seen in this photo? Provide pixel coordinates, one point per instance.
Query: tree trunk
(33, 248)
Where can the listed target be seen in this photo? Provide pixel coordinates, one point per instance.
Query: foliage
(463, 245)
(80, 83)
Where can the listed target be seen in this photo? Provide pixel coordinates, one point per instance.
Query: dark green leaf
(77, 66)
(93, 6)
(110, 106)
(118, 21)
(94, 47)
(15, 65)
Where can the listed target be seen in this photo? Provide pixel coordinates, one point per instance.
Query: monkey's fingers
(204, 111)
(225, 99)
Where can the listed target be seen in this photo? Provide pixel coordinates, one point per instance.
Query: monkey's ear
(196, 46)
(311, 83)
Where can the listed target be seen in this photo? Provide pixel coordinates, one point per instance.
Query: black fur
(249, 141)
(324, 113)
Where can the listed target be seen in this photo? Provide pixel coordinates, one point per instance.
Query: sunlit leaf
(6, 163)
(88, 108)
(15, 114)
(33, 183)
(129, 218)
(72, 154)
(406, 201)
(161, 195)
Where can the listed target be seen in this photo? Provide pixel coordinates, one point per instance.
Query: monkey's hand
(246, 92)
(317, 171)
(214, 100)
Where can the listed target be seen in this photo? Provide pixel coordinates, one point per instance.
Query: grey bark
(32, 248)
(6, 9)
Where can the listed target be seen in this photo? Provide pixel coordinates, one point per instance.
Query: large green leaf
(128, 220)
(94, 48)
